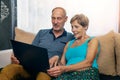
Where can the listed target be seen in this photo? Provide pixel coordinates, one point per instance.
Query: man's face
(58, 19)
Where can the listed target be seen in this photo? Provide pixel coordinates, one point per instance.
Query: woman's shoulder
(92, 38)
(93, 41)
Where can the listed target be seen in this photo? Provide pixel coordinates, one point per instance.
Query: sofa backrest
(24, 36)
(106, 59)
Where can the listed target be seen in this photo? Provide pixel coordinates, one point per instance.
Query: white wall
(34, 15)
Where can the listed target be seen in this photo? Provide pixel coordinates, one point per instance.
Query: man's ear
(66, 18)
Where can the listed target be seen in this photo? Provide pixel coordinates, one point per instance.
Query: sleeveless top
(78, 53)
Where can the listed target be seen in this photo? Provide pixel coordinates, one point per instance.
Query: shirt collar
(64, 33)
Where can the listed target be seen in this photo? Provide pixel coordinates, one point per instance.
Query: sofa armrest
(5, 57)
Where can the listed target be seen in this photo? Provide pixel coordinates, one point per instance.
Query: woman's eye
(71, 26)
(76, 26)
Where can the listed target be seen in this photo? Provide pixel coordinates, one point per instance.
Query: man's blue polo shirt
(46, 39)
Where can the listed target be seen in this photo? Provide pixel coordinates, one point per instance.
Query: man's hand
(14, 60)
(53, 61)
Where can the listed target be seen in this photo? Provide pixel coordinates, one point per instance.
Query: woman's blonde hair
(81, 19)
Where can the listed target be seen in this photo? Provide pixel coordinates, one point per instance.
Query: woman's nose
(73, 29)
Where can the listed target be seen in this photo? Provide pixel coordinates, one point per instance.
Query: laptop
(34, 59)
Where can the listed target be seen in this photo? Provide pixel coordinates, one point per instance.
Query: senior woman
(79, 59)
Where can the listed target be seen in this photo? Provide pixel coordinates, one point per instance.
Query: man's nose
(55, 21)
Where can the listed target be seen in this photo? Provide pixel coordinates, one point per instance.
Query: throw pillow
(106, 59)
(117, 50)
(23, 36)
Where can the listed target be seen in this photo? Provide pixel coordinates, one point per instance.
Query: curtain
(34, 15)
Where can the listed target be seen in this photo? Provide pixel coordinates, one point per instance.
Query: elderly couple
(71, 56)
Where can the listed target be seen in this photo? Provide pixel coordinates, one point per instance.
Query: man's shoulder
(69, 36)
(69, 33)
(44, 31)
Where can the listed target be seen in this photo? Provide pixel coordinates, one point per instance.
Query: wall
(36, 14)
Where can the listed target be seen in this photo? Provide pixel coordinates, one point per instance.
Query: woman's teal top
(78, 54)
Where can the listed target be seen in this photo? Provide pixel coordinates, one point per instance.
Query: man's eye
(53, 18)
(59, 18)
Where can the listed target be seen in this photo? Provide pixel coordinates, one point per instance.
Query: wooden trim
(119, 16)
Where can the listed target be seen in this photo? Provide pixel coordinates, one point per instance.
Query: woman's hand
(53, 61)
(56, 71)
(14, 60)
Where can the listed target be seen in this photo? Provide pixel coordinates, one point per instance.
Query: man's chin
(57, 29)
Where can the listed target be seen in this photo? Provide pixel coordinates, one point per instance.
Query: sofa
(108, 59)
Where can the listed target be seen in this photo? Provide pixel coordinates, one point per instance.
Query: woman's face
(77, 29)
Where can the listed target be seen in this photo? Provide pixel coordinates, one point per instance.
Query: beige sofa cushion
(106, 59)
(117, 50)
(23, 36)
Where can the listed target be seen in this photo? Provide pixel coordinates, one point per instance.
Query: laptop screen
(34, 59)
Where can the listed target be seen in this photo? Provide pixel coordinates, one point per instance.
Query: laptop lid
(34, 59)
